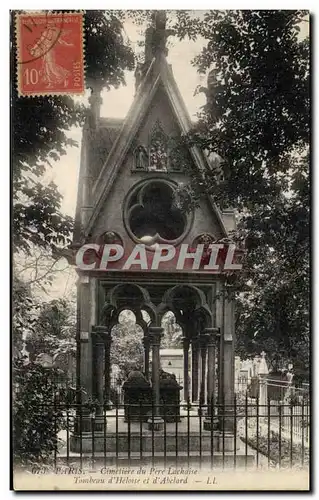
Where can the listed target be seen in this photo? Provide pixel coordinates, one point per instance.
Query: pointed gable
(157, 101)
(117, 155)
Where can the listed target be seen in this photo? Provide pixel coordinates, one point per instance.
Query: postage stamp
(50, 53)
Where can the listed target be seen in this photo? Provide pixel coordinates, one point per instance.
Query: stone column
(146, 344)
(203, 352)
(195, 365)
(229, 360)
(85, 309)
(98, 345)
(186, 370)
(219, 302)
(155, 333)
(228, 405)
(98, 341)
(107, 370)
(102, 366)
(84, 352)
(212, 335)
(98, 372)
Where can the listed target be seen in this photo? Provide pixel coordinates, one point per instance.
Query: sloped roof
(112, 127)
(104, 136)
(159, 73)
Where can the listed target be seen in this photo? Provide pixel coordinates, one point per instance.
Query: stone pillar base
(99, 423)
(226, 441)
(202, 411)
(87, 441)
(195, 404)
(185, 404)
(155, 424)
(87, 423)
(208, 423)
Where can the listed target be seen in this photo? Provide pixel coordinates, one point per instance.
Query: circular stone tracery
(151, 215)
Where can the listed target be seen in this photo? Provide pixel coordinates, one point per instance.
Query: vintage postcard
(160, 281)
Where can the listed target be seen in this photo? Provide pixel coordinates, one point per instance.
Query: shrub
(37, 417)
(279, 449)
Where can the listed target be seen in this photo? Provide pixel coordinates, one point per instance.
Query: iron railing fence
(281, 390)
(242, 434)
(116, 383)
(277, 390)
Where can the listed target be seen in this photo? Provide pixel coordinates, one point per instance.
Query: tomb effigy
(170, 397)
(137, 397)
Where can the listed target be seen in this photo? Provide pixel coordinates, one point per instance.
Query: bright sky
(116, 103)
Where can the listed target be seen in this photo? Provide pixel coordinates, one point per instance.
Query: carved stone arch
(186, 314)
(161, 313)
(203, 317)
(161, 310)
(120, 310)
(140, 321)
(172, 293)
(150, 308)
(108, 315)
(131, 296)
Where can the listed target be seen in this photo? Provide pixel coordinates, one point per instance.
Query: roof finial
(156, 36)
(155, 43)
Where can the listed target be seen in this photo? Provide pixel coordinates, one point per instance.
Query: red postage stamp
(50, 53)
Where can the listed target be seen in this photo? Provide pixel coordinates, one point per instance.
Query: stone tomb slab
(183, 438)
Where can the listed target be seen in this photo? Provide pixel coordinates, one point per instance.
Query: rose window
(151, 216)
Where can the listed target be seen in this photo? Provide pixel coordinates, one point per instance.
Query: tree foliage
(127, 349)
(172, 332)
(55, 329)
(37, 417)
(39, 135)
(24, 314)
(256, 119)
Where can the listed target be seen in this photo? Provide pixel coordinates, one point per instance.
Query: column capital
(212, 330)
(186, 342)
(212, 334)
(230, 291)
(203, 340)
(100, 329)
(101, 333)
(155, 333)
(195, 341)
(146, 341)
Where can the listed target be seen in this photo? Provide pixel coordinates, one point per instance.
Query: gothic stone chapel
(129, 172)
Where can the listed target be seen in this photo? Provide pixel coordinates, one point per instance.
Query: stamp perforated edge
(27, 13)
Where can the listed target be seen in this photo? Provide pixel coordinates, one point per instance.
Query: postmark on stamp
(50, 53)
